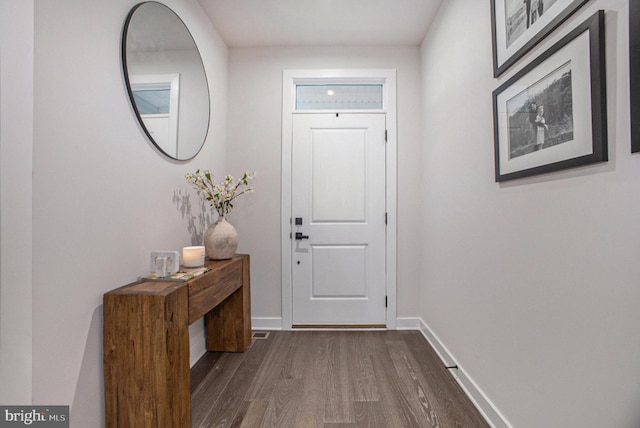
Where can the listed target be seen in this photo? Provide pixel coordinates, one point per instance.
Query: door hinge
(385, 136)
(385, 301)
(385, 218)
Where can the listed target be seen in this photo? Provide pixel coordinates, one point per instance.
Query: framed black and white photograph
(634, 72)
(552, 114)
(518, 25)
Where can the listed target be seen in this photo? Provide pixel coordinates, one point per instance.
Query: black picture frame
(510, 40)
(570, 79)
(634, 73)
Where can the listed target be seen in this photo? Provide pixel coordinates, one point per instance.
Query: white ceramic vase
(221, 240)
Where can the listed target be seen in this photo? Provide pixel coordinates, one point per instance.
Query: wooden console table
(146, 341)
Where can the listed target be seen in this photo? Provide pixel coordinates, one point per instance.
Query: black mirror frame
(125, 70)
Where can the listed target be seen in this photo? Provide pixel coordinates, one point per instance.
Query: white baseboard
(408, 323)
(475, 394)
(197, 350)
(276, 324)
(266, 323)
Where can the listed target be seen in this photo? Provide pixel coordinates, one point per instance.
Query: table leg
(228, 325)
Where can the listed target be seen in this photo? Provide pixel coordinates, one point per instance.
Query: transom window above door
(339, 97)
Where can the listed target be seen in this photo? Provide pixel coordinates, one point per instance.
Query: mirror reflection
(165, 79)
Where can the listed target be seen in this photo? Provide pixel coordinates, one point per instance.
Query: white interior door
(158, 125)
(338, 224)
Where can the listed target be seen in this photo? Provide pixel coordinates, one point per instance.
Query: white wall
(532, 285)
(255, 110)
(16, 150)
(103, 197)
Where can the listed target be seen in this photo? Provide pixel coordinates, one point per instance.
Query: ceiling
(252, 23)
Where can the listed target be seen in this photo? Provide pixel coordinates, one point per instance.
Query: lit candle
(193, 256)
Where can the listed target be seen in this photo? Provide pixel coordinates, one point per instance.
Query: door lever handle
(300, 236)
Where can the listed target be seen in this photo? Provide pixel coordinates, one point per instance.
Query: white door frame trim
(290, 79)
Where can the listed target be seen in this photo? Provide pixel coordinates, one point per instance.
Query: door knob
(299, 236)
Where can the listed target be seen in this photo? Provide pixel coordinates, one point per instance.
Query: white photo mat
(512, 38)
(576, 53)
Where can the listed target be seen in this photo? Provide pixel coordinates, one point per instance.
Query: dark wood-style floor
(305, 379)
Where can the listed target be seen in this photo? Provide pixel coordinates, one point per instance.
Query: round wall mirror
(165, 79)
